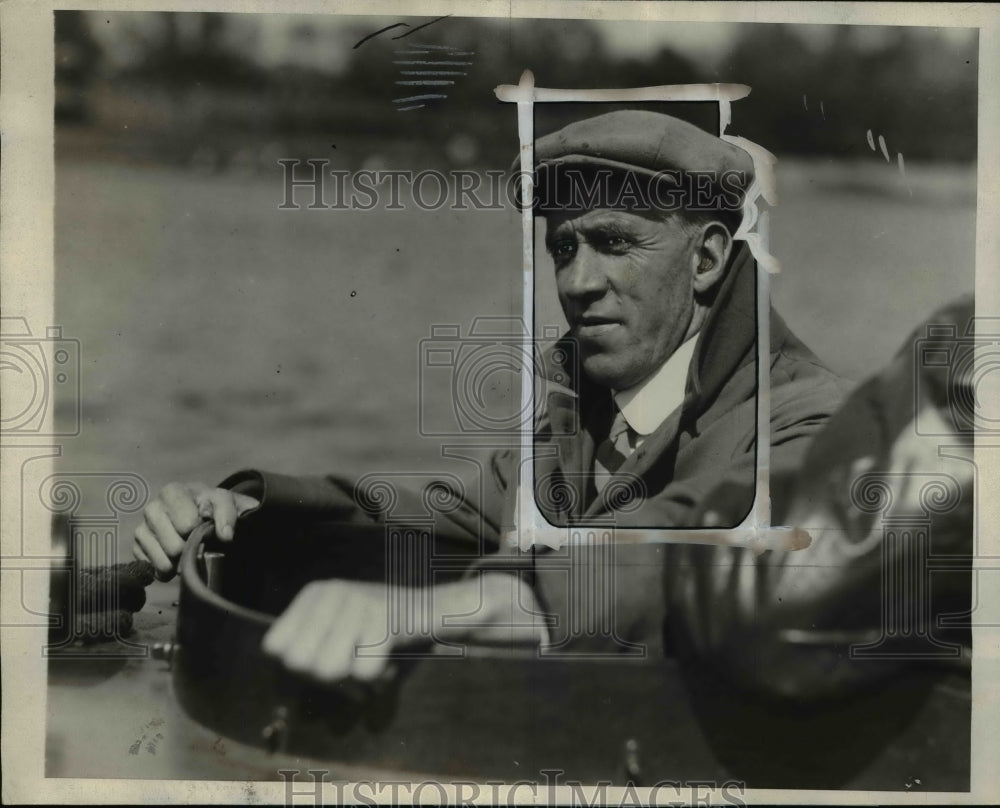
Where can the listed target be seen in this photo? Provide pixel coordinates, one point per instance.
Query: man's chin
(606, 370)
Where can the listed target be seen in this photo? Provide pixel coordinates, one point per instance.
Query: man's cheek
(632, 273)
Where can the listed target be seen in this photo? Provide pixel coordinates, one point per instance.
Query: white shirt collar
(647, 404)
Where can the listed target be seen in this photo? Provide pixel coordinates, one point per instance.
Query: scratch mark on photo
(363, 40)
(419, 27)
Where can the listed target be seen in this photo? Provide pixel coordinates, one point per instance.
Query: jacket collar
(729, 335)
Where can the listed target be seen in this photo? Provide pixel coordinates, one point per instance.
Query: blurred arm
(785, 623)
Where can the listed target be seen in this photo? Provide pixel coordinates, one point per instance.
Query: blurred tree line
(192, 87)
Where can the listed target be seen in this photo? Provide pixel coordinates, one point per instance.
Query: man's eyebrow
(610, 227)
(603, 227)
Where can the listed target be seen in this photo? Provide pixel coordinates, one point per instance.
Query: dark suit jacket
(710, 439)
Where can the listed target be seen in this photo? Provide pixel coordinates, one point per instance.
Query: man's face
(625, 284)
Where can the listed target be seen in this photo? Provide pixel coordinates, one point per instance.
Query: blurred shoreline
(921, 182)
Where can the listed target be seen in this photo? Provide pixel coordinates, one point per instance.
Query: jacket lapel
(574, 407)
(575, 447)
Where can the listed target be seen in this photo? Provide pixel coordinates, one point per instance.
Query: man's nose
(585, 276)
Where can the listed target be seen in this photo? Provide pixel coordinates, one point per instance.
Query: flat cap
(648, 144)
(640, 140)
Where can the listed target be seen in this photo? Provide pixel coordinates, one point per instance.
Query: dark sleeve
(789, 624)
(462, 511)
(306, 497)
(743, 614)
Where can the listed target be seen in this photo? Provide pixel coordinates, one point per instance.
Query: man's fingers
(220, 504)
(162, 527)
(370, 657)
(338, 655)
(334, 631)
(154, 553)
(181, 508)
(327, 622)
(169, 519)
(245, 503)
(281, 635)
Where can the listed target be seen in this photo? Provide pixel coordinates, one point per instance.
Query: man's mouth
(592, 325)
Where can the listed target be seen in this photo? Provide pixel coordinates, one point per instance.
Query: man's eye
(616, 244)
(563, 249)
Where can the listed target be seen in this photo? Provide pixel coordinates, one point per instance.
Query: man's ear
(713, 248)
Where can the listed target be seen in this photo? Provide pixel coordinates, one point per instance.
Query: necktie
(612, 451)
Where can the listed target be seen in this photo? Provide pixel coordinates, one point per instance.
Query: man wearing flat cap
(651, 403)
(641, 211)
